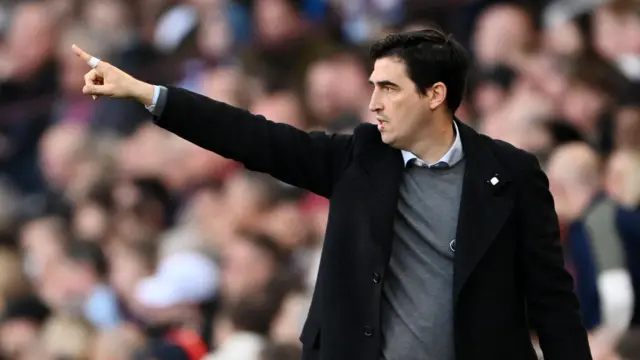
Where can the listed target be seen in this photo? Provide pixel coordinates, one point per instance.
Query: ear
(437, 95)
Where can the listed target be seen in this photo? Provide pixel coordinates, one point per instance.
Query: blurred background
(121, 241)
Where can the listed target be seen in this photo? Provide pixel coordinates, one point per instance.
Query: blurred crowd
(119, 240)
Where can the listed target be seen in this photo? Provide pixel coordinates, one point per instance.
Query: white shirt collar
(452, 157)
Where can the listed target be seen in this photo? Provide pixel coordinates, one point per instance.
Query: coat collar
(452, 157)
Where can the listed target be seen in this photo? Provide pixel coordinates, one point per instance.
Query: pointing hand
(105, 79)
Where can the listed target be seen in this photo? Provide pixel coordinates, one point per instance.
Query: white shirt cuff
(156, 95)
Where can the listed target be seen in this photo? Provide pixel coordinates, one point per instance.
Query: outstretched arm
(308, 160)
(313, 161)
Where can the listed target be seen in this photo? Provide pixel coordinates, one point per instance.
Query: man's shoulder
(366, 131)
(507, 150)
(366, 136)
(518, 161)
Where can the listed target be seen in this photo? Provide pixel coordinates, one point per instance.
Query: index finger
(81, 53)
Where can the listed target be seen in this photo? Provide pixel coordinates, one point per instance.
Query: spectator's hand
(107, 80)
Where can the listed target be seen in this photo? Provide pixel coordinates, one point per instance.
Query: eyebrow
(383, 83)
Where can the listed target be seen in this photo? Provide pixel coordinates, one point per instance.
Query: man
(454, 287)
(596, 244)
(85, 272)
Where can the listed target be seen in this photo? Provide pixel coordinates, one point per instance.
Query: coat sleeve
(552, 306)
(312, 161)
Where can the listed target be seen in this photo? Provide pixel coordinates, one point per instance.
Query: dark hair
(265, 244)
(430, 56)
(253, 313)
(280, 352)
(595, 72)
(624, 7)
(500, 75)
(562, 132)
(102, 195)
(81, 251)
(29, 307)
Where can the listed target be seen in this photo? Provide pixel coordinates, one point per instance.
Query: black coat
(509, 276)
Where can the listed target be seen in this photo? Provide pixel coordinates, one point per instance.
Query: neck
(434, 140)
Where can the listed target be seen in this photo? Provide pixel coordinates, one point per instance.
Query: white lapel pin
(494, 180)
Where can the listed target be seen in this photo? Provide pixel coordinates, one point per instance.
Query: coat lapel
(483, 208)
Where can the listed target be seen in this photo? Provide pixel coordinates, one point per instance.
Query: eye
(388, 89)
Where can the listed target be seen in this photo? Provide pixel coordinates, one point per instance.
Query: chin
(386, 138)
(387, 134)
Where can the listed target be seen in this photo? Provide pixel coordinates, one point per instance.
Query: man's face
(16, 336)
(245, 269)
(283, 108)
(400, 109)
(582, 106)
(321, 79)
(500, 31)
(33, 25)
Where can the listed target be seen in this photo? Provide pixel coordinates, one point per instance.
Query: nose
(374, 104)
